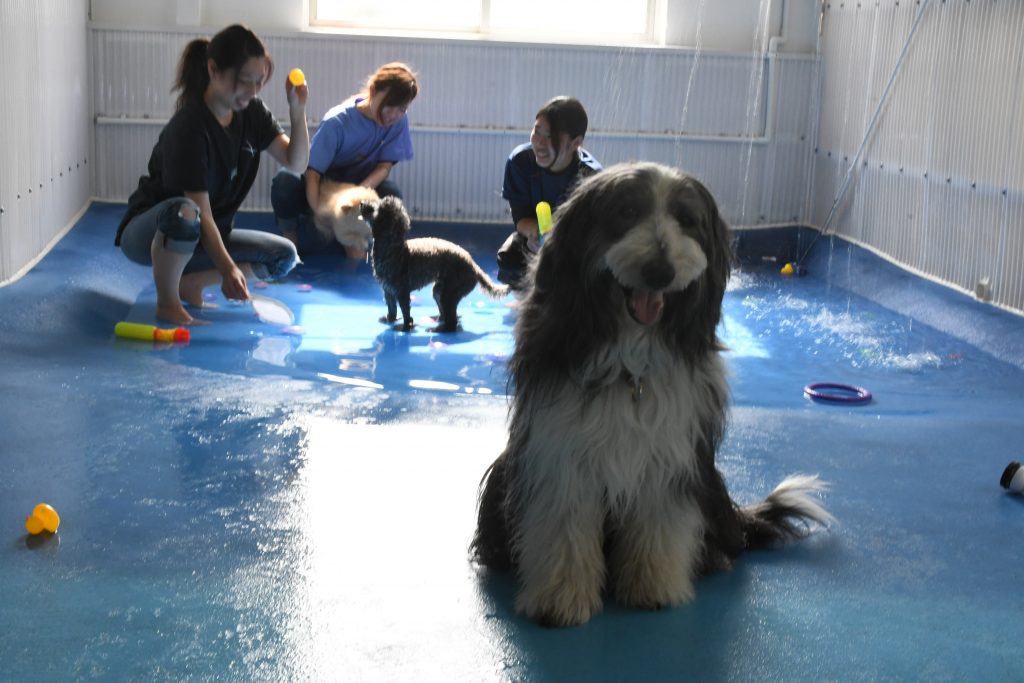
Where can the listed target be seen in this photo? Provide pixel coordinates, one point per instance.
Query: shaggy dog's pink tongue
(647, 306)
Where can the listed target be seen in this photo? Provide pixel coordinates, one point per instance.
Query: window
(577, 21)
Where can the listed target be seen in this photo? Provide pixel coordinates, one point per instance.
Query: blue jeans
(177, 219)
(288, 197)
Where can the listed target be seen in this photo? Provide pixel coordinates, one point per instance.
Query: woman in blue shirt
(358, 142)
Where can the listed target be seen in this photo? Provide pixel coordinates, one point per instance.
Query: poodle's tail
(492, 288)
(787, 512)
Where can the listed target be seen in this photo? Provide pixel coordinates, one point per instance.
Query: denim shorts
(177, 219)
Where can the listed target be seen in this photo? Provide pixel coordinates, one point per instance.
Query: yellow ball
(48, 516)
(787, 269)
(33, 525)
(297, 77)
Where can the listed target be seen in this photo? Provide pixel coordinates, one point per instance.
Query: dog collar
(636, 384)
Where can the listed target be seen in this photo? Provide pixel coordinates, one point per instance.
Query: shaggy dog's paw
(654, 597)
(653, 584)
(568, 607)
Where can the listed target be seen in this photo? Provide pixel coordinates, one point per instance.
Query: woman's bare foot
(174, 314)
(190, 289)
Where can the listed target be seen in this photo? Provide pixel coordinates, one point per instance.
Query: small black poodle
(403, 266)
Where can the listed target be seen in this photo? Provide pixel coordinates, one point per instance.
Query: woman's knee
(175, 222)
(284, 257)
(270, 256)
(178, 221)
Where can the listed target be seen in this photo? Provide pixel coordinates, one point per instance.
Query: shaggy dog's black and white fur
(608, 481)
(403, 266)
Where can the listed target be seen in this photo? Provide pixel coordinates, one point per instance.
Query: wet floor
(294, 502)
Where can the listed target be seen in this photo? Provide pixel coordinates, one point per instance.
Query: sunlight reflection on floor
(388, 506)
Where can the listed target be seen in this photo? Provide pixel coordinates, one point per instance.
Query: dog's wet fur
(338, 216)
(402, 266)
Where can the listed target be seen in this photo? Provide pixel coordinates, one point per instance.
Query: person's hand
(233, 284)
(296, 95)
(533, 243)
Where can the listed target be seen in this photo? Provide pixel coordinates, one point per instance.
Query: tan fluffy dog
(338, 215)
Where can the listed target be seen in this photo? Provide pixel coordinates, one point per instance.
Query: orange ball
(48, 516)
(33, 525)
(297, 77)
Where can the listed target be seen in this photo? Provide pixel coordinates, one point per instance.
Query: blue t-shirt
(526, 183)
(348, 146)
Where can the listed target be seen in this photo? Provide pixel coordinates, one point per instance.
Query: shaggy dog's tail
(787, 512)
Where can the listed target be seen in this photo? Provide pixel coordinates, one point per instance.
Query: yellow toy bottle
(151, 332)
(543, 220)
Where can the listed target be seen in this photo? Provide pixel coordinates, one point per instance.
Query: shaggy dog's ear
(694, 318)
(557, 326)
(561, 261)
(719, 245)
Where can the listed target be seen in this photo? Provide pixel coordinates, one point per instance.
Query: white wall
(277, 15)
(743, 25)
(46, 127)
(706, 110)
(738, 121)
(940, 187)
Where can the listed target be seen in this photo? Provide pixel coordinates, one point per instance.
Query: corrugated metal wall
(46, 127)
(741, 122)
(940, 187)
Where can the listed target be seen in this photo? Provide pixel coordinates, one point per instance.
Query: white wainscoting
(940, 186)
(741, 122)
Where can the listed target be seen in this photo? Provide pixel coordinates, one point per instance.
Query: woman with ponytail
(358, 142)
(180, 218)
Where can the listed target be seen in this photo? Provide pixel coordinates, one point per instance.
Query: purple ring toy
(837, 393)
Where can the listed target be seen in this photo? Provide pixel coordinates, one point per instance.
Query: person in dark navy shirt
(544, 169)
(180, 218)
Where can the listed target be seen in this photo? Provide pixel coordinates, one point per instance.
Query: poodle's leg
(404, 301)
(392, 304)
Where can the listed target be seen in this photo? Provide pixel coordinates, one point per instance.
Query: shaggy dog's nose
(658, 274)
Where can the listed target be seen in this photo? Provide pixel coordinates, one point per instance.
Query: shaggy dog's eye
(627, 211)
(685, 216)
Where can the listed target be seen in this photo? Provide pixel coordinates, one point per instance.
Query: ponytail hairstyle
(229, 49)
(399, 81)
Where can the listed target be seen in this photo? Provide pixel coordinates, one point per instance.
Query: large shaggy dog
(403, 266)
(608, 481)
(338, 215)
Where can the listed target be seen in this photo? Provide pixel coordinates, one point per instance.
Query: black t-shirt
(196, 154)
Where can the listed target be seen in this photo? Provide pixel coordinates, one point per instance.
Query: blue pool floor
(295, 505)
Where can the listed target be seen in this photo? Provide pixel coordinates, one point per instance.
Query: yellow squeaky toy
(297, 77)
(543, 220)
(43, 518)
